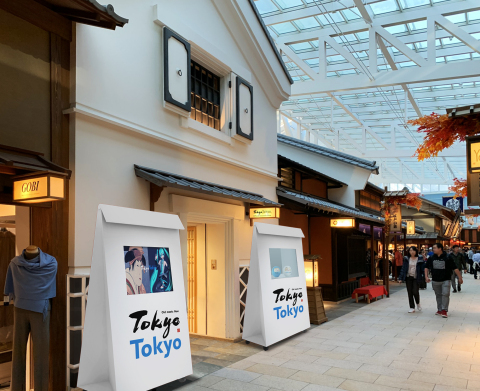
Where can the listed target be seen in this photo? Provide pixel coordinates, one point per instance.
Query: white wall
(355, 177)
(104, 174)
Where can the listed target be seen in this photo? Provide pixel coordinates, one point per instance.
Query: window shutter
(176, 70)
(244, 100)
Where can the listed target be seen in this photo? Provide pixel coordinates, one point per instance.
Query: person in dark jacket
(413, 273)
(459, 260)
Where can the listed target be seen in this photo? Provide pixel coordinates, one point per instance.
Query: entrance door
(215, 273)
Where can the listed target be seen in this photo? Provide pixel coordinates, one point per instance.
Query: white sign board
(136, 331)
(277, 303)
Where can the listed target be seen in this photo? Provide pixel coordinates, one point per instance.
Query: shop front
(337, 232)
(36, 47)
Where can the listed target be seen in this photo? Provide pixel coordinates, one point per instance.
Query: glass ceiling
(296, 25)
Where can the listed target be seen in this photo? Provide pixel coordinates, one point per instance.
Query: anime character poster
(147, 270)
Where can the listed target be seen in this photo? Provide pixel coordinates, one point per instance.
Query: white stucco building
(136, 143)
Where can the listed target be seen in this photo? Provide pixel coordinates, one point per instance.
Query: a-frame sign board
(136, 331)
(277, 303)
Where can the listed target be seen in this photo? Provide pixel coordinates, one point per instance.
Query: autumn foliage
(441, 132)
(411, 199)
(459, 187)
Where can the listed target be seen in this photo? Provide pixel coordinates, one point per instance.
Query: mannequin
(30, 283)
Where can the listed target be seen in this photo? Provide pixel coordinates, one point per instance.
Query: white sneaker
(419, 308)
(411, 310)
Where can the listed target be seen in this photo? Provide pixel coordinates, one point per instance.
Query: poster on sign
(277, 303)
(136, 331)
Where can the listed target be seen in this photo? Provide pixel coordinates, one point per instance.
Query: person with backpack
(413, 273)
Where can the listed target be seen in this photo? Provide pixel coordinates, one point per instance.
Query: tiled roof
(325, 205)
(343, 157)
(167, 179)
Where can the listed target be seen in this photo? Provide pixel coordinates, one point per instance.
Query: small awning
(326, 206)
(15, 161)
(167, 179)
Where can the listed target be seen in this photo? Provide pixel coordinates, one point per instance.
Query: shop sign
(377, 231)
(395, 218)
(277, 302)
(136, 318)
(41, 187)
(453, 203)
(473, 170)
(264, 213)
(342, 223)
(410, 227)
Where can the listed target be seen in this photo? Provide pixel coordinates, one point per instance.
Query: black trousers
(412, 291)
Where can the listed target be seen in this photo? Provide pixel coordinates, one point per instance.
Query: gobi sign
(136, 332)
(277, 304)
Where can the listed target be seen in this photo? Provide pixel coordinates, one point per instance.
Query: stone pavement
(378, 347)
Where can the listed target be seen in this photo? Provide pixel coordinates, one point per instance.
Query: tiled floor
(376, 347)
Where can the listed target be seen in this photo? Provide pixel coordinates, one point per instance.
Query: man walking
(476, 261)
(470, 259)
(442, 268)
(459, 260)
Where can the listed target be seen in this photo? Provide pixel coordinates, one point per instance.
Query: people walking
(442, 268)
(470, 260)
(459, 260)
(476, 262)
(413, 273)
(398, 263)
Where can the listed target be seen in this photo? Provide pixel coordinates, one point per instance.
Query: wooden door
(192, 278)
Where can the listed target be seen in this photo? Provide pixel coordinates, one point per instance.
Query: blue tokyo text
(160, 347)
(290, 311)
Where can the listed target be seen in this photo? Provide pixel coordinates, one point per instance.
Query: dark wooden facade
(49, 222)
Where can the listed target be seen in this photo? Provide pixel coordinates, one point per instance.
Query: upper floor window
(370, 201)
(205, 96)
(287, 175)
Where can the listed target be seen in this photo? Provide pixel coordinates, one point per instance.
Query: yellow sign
(395, 218)
(342, 223)
(42, 187)
(410, 227)
(475, 156)
(264, 213)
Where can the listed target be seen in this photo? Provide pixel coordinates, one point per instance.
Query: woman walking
(413, 273)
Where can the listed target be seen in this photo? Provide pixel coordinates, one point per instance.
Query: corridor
(378, 347)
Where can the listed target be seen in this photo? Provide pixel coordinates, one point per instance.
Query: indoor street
(376, 347)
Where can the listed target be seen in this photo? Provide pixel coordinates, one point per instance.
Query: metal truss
(426, 59)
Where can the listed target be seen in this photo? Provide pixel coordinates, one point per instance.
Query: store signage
(136, 319)
(473, 154)
(377, 231)
(277, 292)
(342, 223)
(454, 203)
(264, 213)
(410, 227)
(41, 187)
(473, 170)
(395, 218)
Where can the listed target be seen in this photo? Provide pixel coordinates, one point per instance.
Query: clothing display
(31, 282)
(34, 324)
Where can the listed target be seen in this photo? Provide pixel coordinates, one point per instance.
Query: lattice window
(205, 96)
(77, 292)
(243, 279)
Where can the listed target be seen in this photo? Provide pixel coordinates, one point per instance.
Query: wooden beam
(40, 16)
(155, 193)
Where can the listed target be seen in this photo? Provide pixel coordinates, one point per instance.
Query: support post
(394, 258)
(373, 269)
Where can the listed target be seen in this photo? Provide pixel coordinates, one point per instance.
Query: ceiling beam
(388, 79)
(391, 19)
